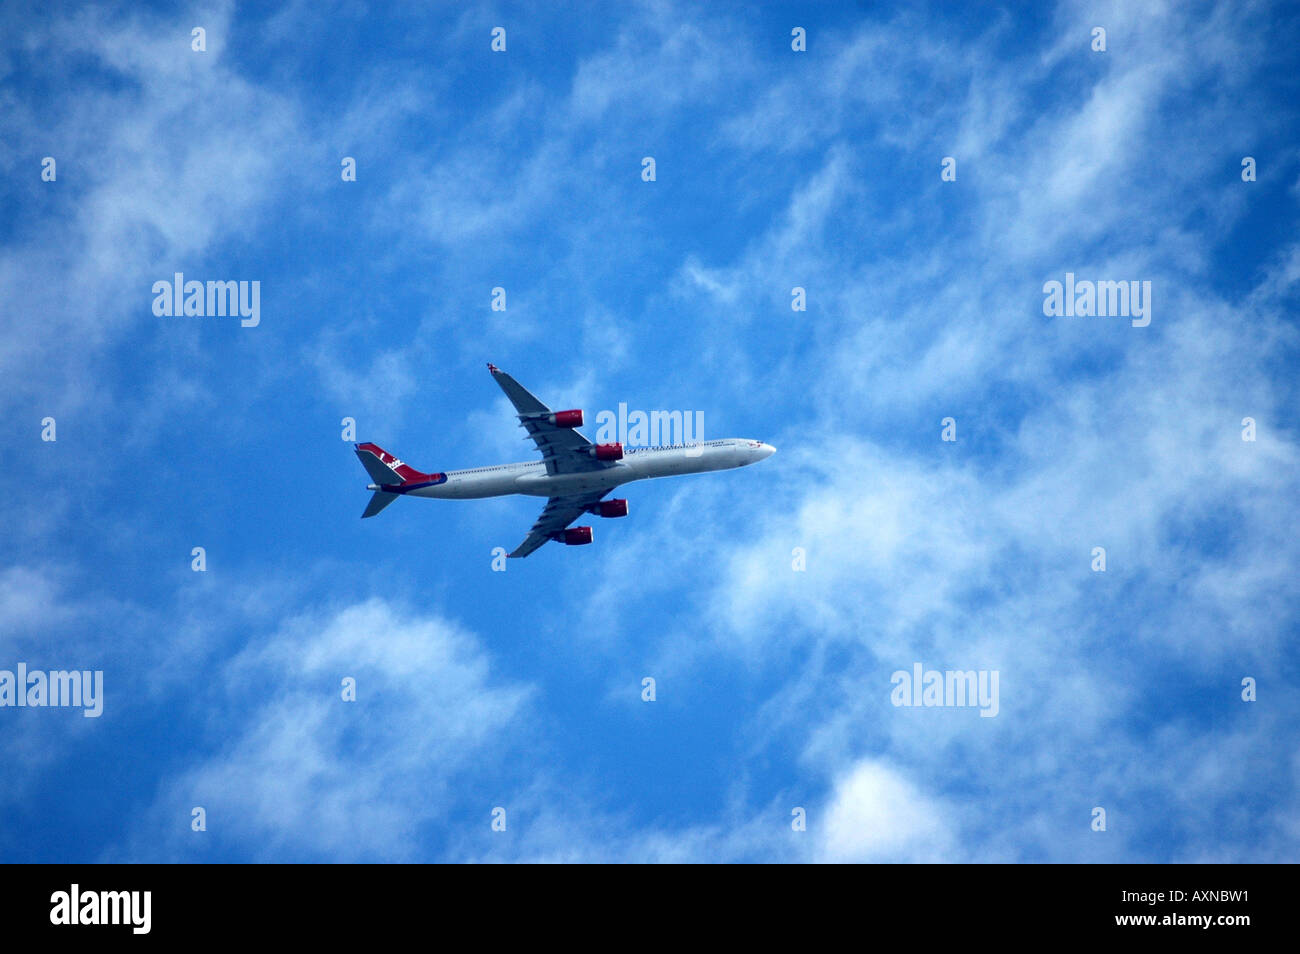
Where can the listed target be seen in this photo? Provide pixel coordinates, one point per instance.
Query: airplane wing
(563, 449)
(558, 514)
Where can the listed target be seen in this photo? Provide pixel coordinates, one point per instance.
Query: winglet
(493, 368)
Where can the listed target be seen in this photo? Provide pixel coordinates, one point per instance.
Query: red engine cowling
(610, 508)
(566, 418)
(574, 536)
(607, 451)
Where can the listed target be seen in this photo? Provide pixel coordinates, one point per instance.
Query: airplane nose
(767, 450)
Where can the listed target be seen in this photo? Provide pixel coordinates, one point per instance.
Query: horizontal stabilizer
(378, 502)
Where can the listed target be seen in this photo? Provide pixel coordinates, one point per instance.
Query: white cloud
(177, 155)
(301, 773)
(876, 815)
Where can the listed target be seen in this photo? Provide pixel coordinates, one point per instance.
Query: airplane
(574, 474)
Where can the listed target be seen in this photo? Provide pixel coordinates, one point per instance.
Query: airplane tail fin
(389, 472)
(384, 468)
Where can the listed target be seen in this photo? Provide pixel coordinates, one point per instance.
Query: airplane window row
(630, 450)
(663, 447)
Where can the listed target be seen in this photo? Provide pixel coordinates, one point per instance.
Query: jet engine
(565, 418)
(574, 536)
(610, 508)
(607, 451)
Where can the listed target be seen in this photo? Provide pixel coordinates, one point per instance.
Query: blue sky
(774, 169)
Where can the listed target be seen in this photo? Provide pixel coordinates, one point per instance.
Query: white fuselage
(638, 463)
